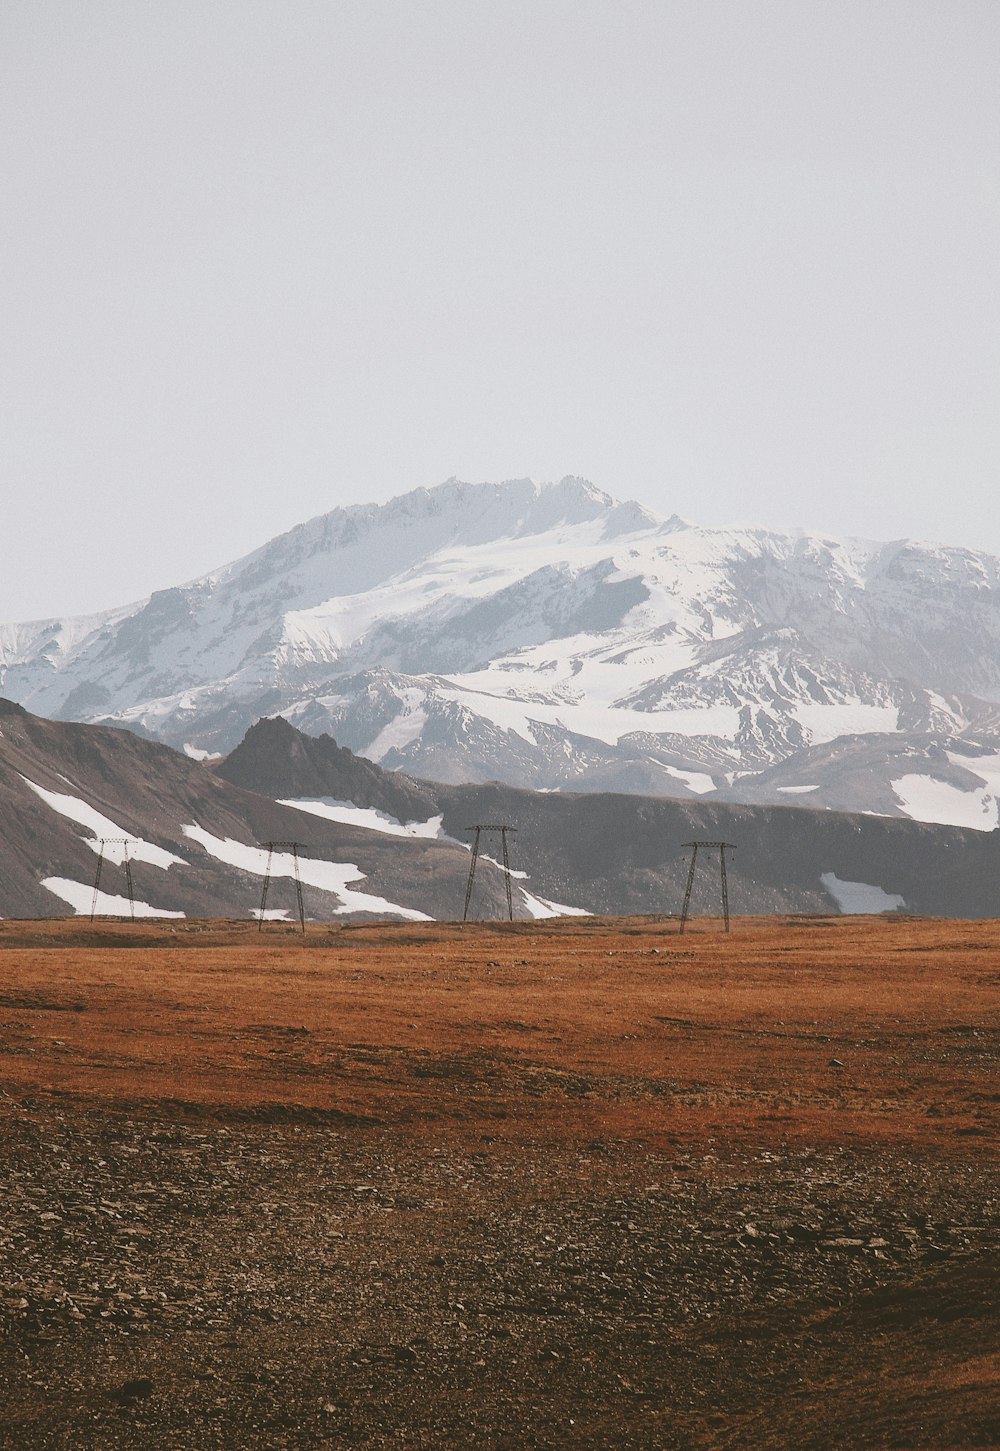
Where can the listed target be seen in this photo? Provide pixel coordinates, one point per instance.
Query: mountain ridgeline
(378, 844)
(616, 853)
(550, 637)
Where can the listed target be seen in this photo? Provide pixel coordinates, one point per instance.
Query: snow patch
(924, 798)
(858, 898)
(368, 818)
(103, 827)
(332, 877)
(987, 768)
(541, 907)
(697, 781)
(795, 790)
(80, 897)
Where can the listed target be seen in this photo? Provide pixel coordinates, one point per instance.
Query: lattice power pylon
(272, 847)
(722, 847)
(124, 842)
(503, 829)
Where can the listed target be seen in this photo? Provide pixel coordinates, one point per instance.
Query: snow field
(924, 798)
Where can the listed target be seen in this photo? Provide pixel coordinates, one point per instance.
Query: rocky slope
(376, 843)
(552, 637)
(615, 853)
(193, 839)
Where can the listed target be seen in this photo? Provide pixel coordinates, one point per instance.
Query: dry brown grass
(736, 1034)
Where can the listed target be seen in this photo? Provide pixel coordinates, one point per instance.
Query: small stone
(132, 1390)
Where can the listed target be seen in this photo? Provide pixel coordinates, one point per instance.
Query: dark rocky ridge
(624, 854)
(281, 762)
(151, 791)
(599, 852)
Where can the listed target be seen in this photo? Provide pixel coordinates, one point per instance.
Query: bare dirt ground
(585, 1183)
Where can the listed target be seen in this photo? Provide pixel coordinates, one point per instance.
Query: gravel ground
(250, 1284)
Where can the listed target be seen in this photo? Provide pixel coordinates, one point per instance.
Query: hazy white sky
(737, 260)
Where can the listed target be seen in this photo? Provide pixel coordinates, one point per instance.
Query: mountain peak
(414, 525)
(530, 504)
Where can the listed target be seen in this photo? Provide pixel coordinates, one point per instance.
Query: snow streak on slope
(332, 877)
(80, 897)
(539, 907)
(365, 817)
(105, 830)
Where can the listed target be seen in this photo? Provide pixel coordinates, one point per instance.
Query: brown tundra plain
(584, 1183)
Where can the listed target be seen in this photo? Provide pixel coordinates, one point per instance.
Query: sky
(736, 259)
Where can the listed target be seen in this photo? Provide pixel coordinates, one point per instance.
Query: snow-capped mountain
(551, 637)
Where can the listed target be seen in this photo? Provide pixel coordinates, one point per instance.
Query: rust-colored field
(578, 1183)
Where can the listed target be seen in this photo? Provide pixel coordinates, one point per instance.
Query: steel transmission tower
(722, 847)
(503, 830)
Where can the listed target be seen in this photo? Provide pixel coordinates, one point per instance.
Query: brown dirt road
(581, 1183)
